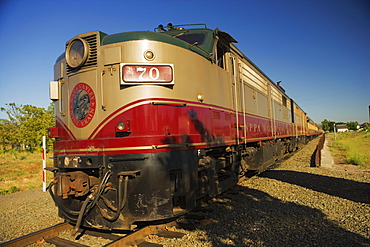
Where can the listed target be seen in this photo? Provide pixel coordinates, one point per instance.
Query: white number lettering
(154, 75)
(142, 70)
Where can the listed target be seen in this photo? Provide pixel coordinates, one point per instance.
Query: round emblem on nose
(82, 105)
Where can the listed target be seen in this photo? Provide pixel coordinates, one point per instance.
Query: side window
(219, 54)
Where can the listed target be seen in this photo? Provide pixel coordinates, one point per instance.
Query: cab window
(192, 38)
(221, 50)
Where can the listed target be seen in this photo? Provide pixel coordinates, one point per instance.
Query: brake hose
(60, 206)
(87, 206)
(121, 202)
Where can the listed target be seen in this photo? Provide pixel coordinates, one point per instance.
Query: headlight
(120, 126)
(76, 53)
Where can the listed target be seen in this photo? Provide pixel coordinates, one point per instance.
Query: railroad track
(134, 238)
(125, 238)
(131, 238)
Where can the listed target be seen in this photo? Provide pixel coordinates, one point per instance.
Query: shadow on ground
(343, 188)
(268, 221)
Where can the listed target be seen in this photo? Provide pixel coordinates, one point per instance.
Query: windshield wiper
(201, 48)
(180, 34)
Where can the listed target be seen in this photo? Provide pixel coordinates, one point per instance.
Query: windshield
(191, 38)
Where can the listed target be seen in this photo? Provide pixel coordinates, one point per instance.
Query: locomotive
(150, 122)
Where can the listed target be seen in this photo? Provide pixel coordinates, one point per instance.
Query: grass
(21, 171)
(352, 147)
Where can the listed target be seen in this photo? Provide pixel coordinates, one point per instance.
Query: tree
(327, 125)
(352, 125)
(36, 121)
(11, 127)
(26, 125)
(5, 134)
(365, 126)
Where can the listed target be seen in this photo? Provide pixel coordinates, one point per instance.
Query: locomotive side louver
(92, 59)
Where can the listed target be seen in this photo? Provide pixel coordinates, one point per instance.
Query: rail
(134, 238)
(46, 233)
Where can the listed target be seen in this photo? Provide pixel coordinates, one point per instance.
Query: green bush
(12, 189)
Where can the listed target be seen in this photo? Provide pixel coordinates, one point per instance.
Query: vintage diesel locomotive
(148, 123)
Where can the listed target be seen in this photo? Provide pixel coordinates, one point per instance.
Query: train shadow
(339, 187)
(268, 221)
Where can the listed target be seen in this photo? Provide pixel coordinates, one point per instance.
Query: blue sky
(319, 49)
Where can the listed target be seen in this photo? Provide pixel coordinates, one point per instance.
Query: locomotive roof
(175, 35)
(169, 37)
(199, 40)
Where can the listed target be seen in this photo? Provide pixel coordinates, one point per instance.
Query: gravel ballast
(291, 205)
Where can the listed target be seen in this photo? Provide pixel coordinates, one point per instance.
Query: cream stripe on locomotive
(93, 149)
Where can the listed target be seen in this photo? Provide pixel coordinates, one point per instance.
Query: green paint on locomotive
(203, 46)
(204, 49)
